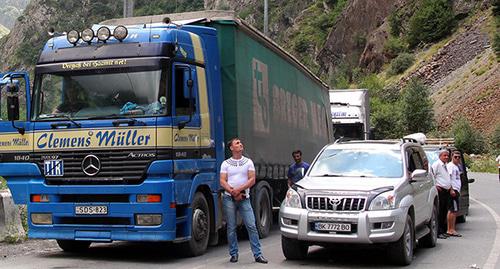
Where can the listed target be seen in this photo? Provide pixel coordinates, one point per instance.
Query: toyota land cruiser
(362, 192)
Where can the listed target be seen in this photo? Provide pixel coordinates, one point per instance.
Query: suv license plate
(332, 227)
(91, 210)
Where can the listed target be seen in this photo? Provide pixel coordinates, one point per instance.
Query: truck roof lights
(103, 33)
(120, 32)
(73, 37)
(87, 35)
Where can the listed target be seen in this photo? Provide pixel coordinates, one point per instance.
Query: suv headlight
(292, 199)
(383, 201)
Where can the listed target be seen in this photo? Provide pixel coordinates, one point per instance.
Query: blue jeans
(246, 213)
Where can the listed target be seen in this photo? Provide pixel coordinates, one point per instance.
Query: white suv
(363, 192)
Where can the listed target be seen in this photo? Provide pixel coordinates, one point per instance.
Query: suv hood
(346, 183)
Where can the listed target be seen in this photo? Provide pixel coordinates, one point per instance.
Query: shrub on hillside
(393, 47)
(417, 112)
(495, 141)
(467, 138)
(433, 20)
(401, 63)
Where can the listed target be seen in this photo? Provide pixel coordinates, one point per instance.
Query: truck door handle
(129, 122)
(60, 124)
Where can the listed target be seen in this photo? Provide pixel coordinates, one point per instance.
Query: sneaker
(260, 259)
(234, 258)
(442, 236)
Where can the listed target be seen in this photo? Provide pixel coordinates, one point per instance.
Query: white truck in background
(350, 113)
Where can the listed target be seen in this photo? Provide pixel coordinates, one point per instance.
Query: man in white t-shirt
(237, 176)
(456, 185)
(498, 164)
(443, 185)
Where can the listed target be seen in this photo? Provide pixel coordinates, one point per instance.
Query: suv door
(420, 185)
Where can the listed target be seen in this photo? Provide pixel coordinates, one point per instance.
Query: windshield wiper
(60, 115)
(105, 117)
(328, 175)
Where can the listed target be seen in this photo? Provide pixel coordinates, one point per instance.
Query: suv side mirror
(418, 173)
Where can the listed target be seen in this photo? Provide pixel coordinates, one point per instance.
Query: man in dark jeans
(237, 176)
(443, 184)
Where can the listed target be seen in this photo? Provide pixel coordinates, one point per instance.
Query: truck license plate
(333, 227)
(91, 210)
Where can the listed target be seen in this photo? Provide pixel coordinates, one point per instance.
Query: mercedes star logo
(91, 165)
(334, 201)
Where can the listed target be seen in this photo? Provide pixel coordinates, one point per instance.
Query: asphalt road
(478, 248)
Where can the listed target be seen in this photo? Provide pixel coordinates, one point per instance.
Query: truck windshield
(358, 163)
(100, 94)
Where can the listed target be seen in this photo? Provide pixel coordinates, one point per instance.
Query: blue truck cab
(121, 141)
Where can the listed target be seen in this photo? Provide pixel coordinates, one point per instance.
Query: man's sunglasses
(456, 157)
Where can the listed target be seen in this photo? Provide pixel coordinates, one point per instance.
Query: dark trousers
(444, 199)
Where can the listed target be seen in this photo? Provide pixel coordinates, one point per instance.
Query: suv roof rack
(409, 139)
(448, 141)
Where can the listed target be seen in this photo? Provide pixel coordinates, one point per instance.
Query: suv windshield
(358, 163)
(100, 94)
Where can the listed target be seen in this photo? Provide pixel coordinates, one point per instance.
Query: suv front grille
(332, 203)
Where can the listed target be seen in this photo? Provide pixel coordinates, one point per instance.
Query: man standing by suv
(298, 169)
(456, 185)
(442, 180)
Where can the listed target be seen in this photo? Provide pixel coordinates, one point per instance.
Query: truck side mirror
(12, 101)
(13, 108)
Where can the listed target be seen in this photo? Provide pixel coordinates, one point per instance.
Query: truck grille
(333, 203)
(116, 167)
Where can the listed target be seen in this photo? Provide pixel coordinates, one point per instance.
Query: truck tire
(429, 241)
(200, 228)
(294, 249)
(401, 251)
(73, 245)
(262, 209)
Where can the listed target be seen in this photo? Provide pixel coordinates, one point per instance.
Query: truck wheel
(262, 210)
(200, 228)
(401, 251)
(73, 245)
(293, 249)
(429, 241)
(461, 219)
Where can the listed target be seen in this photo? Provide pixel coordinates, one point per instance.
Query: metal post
(266, 18)
(128, 8)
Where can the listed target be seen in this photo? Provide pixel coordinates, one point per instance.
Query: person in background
(237, 176)
(498, 161)
(298, 169)
(442, 180)
(456, 185)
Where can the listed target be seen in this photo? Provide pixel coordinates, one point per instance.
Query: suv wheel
(401, 251)
(429, 241)
(293, 249)
(461, 219)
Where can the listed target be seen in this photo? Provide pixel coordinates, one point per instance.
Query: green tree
(433, 20)
(467, 138)
(417, 114)
(385, 119)
(495, 140)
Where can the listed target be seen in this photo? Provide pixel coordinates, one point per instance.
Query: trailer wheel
(73, 245)
(262, 209)
(200, 228)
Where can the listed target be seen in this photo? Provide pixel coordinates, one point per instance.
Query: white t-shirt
(237, 172)
(454, 171)
(441, 175)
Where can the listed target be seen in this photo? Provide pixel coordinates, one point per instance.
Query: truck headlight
(103, 33)
(292, 199)
(383, 201)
